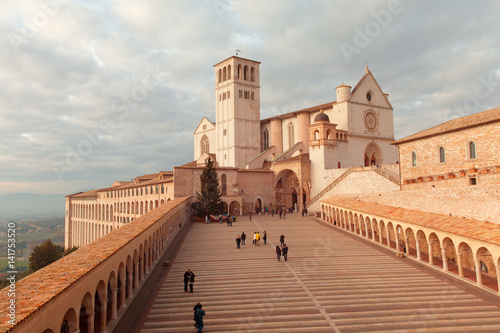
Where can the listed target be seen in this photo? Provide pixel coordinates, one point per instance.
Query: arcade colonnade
(467, 248)
(91, 220)
(84, 291)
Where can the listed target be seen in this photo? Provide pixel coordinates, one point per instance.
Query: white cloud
(70, 80)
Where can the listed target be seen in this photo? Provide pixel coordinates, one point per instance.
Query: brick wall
(486, 138)
(480, 202)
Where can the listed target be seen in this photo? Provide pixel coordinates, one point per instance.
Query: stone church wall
(478, 202)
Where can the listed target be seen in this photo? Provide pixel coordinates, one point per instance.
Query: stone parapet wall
(359, 182)
(481, 202)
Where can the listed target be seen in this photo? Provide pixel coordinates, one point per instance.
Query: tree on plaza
(208, 200)
(45, 254)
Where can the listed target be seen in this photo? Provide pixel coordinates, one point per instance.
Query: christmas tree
(208, 200)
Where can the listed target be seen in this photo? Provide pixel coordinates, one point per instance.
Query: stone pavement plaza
(332, 282)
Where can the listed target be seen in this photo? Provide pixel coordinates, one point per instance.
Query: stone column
(498, 277)
(397, 241)
(460, 265)
(479, 277)
(431, 260)
(136, 273)
(104, 314)
(417, 245)
(90, 322)
(146, 262)
(129, 288)
(445, 259)
(124, 292)
(114, 302)
(388, 237)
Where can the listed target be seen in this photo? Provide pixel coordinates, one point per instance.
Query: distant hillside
(22, 206)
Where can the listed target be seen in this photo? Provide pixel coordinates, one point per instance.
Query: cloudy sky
(96, 91)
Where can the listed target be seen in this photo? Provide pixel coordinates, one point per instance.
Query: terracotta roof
(91, 193)
(39, 288)
(325, 106)
(478, 230)
(476, 119)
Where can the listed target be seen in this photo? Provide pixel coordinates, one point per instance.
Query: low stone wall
(480, 202)
(78, 285)
(358, 182)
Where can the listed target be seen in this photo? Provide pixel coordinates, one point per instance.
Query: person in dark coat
(187, 274)
(282, 240)
(199, 313)
(243, 237)
(285, 252)
(191, 282)
(238, 241)
(264, 237)
(196, 307)
(278, 252)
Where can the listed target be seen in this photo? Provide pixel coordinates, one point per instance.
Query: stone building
(459, 152)
(282, 161)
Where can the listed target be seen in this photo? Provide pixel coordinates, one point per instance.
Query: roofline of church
(257, 62)
(319, 107)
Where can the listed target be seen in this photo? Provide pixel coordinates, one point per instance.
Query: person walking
(284, 214)
(187, 274)
(191, 282)
(272, 212)
(196, 307)
(243, 237)
(255, 238)
(250, 216)
(285, 252)
(238, 241)
(280, 212)
(278, 253)
(264, 237)
(199, 313)
(282, 240)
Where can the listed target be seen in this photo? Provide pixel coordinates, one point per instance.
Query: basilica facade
(270, 163)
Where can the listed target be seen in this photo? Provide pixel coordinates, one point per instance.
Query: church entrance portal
(258, 205)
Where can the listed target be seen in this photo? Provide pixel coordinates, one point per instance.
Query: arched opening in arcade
(258, 205)
(373, 155)
(234, 208)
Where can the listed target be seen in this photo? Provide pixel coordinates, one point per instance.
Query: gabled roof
(473, 120)
(206, 120)
(367, 75)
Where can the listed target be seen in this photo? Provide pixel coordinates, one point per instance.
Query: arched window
(442, 155)
(245, 73)
(240, 74)
(224, 74)
(472, 150)
(229, 72)
(223, 180)
(291, 135)
(252, 74)
(413, 159)
(220, 75)
(265, 140)
(204, 145)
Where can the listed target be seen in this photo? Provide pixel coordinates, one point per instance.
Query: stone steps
(331, 283)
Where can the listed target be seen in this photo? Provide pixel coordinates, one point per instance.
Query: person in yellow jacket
(257, 237)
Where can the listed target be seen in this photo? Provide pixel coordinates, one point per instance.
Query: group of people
(282, 250)
(189, 279)
(240, 239)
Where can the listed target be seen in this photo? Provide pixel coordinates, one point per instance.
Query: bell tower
(237, 107)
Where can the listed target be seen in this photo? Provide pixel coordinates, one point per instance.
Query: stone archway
(373, 154)
(234, 208)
